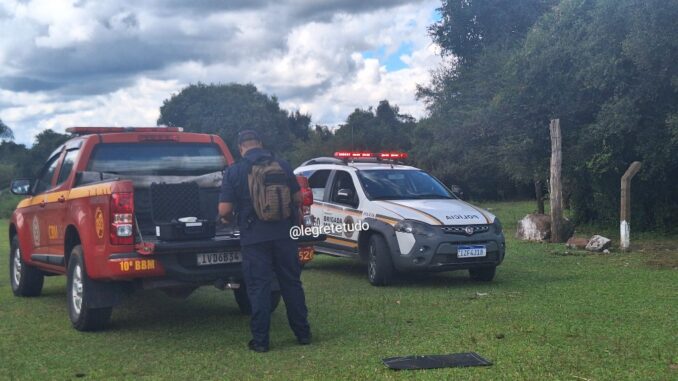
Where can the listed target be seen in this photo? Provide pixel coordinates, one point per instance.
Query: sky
(113, 62)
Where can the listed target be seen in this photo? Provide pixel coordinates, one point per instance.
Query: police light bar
(352, 155)
(393, 155)
(363, 155)
(108, 130)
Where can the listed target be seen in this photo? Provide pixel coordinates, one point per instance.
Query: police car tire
(482, 274)
(87, 318)
(380, 269)
(29, 280)
(243, 300)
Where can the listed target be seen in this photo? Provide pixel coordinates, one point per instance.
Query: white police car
(399, 218)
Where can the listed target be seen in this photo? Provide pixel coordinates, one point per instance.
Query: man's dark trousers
(260, 261)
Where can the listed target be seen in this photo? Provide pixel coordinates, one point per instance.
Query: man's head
(248, 139)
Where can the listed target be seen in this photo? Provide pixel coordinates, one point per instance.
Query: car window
(67, 165)
(44, 180)
(395, 184)
(343, 180)
(317, 181)
(177, 159)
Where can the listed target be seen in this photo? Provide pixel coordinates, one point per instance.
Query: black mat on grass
(436, 361)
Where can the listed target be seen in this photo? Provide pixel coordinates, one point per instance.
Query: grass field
(549, 314)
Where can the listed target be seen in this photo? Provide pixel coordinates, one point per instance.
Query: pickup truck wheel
(482, 274)
(380, 269)
(83, 317)
(26, 280)
(244, 301)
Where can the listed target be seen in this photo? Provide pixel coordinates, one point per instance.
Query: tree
(5, 131)
(467, 27)
(44, 145)
(227, 109)
(320, 142)
(377, 130)
(605, 68)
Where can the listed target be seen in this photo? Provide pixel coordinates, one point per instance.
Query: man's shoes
(304, 340)
(253, 346)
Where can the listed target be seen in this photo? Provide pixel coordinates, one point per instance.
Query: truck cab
(120, 209)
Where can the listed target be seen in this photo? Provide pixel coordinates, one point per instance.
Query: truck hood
(438, 212)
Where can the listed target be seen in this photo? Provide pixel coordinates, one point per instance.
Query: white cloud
(113, 63)
(137, 105)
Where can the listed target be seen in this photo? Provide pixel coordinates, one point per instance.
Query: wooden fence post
(556, 191)
(625, 212)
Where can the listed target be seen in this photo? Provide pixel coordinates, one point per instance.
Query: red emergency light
(108, 130)
(362, 155)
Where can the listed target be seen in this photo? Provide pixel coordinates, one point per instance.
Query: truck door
(57, 204)
(37, 212)
(342, 212)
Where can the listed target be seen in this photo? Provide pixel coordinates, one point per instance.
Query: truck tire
(482, 274)
(83, 317)
(380, 270)
(26, 280)
(244, 301)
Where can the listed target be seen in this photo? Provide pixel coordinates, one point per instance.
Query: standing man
(267, 248)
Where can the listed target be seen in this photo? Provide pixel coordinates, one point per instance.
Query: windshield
(399, 184)
(177, 159)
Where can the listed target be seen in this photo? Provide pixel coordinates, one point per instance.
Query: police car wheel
(83, 316)
(243, 300)
(25, 280)
(482, 274)
(380, 269)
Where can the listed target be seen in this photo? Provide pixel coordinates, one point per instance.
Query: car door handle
(62, 198)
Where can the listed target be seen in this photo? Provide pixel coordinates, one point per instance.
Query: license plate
(209, 259)
(471, 251)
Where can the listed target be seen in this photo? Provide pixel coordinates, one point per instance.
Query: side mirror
(456, 189)
(21, 187)
(345, 196)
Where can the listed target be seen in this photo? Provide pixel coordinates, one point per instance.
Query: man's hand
(225, 212)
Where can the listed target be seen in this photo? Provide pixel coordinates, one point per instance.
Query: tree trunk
(540, 196)
(556, 190)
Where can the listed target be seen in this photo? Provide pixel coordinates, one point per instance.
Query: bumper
(439, 252)
(178, 261)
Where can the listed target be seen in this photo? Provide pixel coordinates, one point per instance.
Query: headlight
(497, 225)
(414, 227)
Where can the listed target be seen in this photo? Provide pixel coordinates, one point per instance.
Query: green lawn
(550, 314)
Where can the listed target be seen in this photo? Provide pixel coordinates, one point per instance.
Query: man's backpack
(270, 190)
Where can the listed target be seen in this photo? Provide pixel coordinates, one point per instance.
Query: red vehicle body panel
(46, 223)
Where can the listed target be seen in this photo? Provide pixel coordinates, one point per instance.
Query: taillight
(306, 192)
(122, 218)
(306, 197)
(306, 201)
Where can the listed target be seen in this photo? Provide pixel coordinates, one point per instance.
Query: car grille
(466, 229)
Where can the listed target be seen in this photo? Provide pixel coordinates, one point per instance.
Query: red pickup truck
(92, 214)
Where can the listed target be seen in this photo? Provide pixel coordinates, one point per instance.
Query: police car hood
(438, 212)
